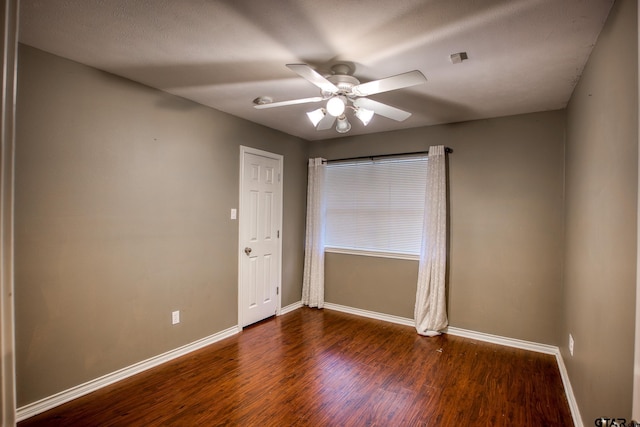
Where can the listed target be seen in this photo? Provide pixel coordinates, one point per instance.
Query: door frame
(241, 288)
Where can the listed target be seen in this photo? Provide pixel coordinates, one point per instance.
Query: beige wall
(382, 285)
(506, 201)
(601, 217)
(122, 216)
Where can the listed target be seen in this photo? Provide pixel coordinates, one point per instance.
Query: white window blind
(376, 206)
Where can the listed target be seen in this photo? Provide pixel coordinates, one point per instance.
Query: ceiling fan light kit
(343, 91)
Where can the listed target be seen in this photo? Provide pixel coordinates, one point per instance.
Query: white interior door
(260, 249)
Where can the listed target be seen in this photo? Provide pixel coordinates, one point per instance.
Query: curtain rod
(382, 156)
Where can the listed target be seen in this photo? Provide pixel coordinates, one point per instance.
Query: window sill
(378, 254)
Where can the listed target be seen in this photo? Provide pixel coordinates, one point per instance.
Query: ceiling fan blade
(382, 109)
(290, 102)
(311, 75)
(326, 122)
(400, 81)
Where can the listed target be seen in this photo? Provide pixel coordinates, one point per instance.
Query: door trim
(241, 290)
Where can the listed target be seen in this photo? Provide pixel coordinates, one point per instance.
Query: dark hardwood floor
(326, 368)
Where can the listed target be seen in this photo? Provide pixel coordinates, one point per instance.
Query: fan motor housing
(343, 82)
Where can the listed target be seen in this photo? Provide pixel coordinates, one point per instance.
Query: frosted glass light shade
(343, 125)
(315, 116)
(335, 106)
(364, 115)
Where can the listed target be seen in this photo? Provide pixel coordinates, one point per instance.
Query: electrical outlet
(571, 342)
(175, 317)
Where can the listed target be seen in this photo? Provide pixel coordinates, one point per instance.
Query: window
(376, 207)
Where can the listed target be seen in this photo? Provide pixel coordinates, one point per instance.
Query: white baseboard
(573, 404)
(370, 314)
(508, 342)
(289, 308)
(481, 336)
(65, 396)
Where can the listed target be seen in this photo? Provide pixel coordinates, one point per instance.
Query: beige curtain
(430, 310)
(313, 276)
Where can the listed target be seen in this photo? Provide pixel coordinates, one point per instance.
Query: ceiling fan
(344, 92)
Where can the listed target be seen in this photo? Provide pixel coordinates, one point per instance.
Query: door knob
(247, 251)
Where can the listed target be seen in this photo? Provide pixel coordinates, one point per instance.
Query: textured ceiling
(524, 55)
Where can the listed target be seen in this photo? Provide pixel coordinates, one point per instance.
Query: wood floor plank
(325, 368)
